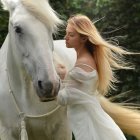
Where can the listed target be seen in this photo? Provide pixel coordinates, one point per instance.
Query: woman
(91, 78)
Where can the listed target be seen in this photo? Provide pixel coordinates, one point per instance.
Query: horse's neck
(63, 55)
(3, 52)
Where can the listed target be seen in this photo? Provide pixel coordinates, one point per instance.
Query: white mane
(39, 8)
(43, 11)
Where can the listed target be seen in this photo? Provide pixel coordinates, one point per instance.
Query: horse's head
(31, 25)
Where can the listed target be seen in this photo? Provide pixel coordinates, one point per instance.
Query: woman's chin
(68, 46)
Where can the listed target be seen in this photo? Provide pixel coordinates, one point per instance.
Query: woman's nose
(66, 37)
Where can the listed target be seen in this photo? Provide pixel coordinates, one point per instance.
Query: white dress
(87, 119)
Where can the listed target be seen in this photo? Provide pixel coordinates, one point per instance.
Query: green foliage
(3, 25)
(67, 8)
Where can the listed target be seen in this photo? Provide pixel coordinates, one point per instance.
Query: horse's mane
(43, 11)
(40, 9)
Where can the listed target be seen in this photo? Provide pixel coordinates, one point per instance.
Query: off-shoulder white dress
(87, 119)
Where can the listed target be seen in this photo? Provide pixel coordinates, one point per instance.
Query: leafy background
(118, 20)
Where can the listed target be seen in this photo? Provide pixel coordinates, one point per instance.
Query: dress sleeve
(62, 97)
(73, 96)
(67, 96)
(81, 76)
(73, 92)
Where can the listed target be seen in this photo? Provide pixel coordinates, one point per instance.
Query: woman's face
(73, 38)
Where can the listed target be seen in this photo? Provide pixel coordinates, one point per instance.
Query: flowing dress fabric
(87, 119)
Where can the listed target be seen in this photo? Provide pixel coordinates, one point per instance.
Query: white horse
(28, 75)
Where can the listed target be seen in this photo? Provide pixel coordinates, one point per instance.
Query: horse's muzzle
(48, 91)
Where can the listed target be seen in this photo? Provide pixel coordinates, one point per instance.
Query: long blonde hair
(108, 57)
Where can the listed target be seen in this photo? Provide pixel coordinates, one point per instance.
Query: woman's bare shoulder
(86, 63)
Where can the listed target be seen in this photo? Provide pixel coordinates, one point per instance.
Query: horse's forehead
(20, 14)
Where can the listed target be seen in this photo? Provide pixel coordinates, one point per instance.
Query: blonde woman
(91, 116)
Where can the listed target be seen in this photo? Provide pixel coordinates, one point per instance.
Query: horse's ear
(4, 5)
(9, 4)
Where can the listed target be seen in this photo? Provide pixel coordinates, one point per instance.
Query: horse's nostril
(59, 85)
(40, 84)
(47, 89)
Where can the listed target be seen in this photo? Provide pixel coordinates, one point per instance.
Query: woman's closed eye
(70, 34)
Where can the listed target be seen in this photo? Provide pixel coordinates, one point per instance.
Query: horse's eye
(18, 29)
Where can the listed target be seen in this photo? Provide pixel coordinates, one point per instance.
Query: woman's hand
(61, 71)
